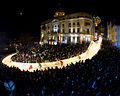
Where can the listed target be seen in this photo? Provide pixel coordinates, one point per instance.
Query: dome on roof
(59, 13)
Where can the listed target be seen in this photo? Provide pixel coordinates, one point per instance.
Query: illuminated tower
(59, 13)
(97, 20)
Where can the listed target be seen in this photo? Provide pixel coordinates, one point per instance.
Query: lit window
(89, 39)
(56, 13)
(64, 39)
(55, 43)
(55, 28)
(83, 36)
(73, 39)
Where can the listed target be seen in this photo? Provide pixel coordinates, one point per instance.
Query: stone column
(80, 38)
(75, 39)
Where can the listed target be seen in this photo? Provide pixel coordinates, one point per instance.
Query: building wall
(73, 28)
(117, 35)
(111, 32)
(114, 34)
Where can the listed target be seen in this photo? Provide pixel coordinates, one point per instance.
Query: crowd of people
(99, 76)
(47, 53)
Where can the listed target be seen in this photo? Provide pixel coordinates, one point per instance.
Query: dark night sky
(34, 12)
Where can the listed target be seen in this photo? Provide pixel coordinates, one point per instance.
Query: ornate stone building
(71, 28)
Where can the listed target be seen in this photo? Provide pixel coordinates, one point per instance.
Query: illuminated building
(100, 31)
(113, 34)
(71, 28)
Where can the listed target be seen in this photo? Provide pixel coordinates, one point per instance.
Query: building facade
(72, 28)
(100, 31)
(113, 34)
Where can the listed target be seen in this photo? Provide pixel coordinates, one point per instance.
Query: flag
(30, 67)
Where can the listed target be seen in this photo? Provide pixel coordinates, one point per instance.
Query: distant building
(113, 34)
(100, 31)
(72, 28)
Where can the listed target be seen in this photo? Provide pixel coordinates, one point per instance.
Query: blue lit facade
(117, 35)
